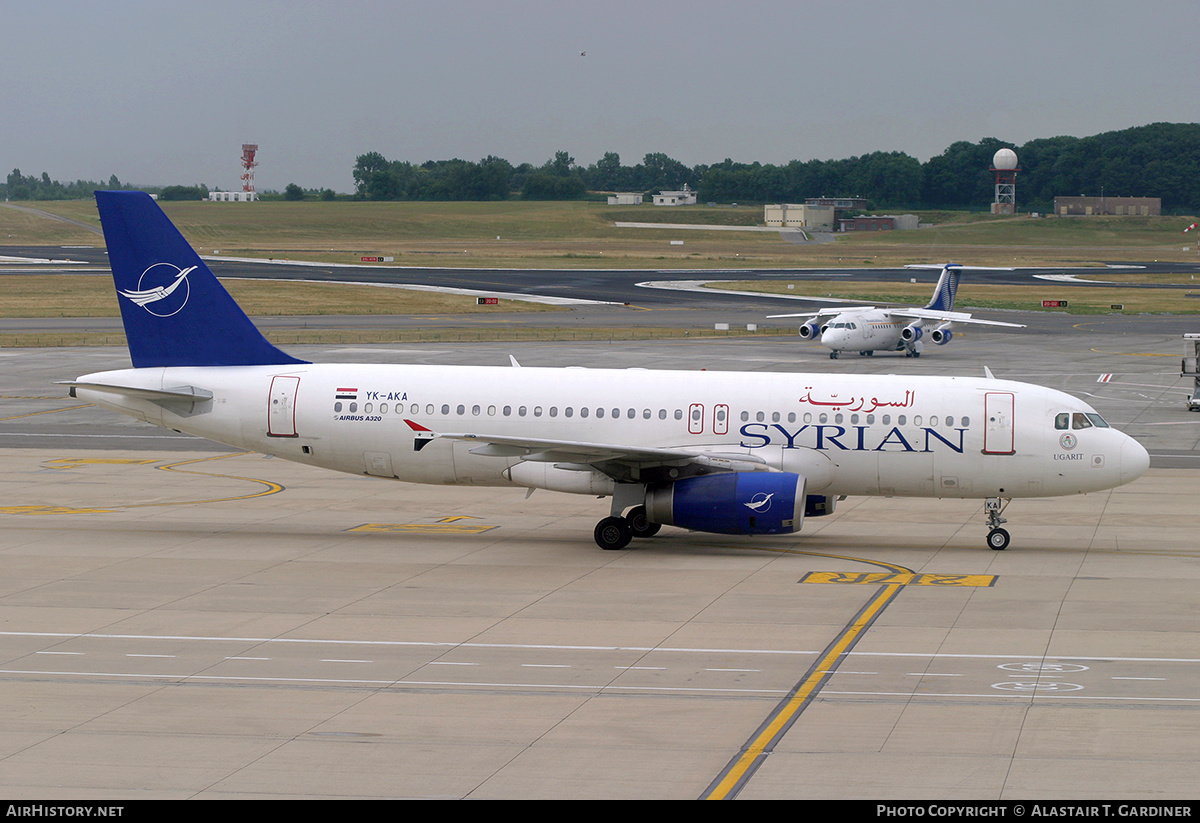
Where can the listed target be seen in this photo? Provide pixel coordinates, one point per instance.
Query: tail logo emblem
(162, 289)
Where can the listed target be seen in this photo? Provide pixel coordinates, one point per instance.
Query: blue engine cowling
(910, 334)
(732, 503)
(810, 331)
(941, 335)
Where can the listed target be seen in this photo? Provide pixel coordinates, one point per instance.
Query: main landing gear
(615, 532)
(997, 538)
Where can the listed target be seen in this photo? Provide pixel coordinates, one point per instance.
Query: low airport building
(626, 198)
(799, 216)
(232, 196)
(879, 222)
(686, 197)
(1117, 206)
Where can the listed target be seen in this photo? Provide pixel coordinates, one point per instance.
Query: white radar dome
(1005, 159)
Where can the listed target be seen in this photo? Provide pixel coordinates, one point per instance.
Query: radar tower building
(1004, 164)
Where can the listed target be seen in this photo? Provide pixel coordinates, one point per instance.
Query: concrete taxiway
(180, 621)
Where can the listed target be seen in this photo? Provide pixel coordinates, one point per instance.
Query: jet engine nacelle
(810, 331)
(911, 334)
(731, 503)
(941, 335)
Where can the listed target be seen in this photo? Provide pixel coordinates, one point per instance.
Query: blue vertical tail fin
(175, 311)
(947, 287)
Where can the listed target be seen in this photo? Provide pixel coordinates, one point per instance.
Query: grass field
(65, 295)
(582, 235)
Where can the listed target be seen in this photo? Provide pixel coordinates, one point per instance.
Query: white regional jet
(866, 329)
(727, 453)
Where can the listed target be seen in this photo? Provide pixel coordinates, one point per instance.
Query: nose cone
(1134, 460)
(833, 338)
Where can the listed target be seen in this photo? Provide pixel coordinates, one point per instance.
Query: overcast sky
(162, 92)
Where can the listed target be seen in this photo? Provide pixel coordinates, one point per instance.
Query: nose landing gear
(997, 538)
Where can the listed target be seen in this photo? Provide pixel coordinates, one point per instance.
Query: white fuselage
(873, 330)
(847, 434)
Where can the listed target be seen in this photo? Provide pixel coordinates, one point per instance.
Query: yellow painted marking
(424, 528)
(47, 411)
(779, 723)
(901, 579)
(271, 487)
(50, 510)
(1134, 353)
(73, 462)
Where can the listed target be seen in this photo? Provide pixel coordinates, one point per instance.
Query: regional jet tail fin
(947, 285)
(176, 312)
(946, 289)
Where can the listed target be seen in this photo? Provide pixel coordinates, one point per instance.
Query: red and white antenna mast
(248, 164)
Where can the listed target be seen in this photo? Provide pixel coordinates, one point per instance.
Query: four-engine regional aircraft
(866, 329)
(727, 453)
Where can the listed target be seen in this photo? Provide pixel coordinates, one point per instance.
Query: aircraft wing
(598, 455)
(949, 317)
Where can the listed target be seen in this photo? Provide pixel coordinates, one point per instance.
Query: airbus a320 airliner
(726, 453)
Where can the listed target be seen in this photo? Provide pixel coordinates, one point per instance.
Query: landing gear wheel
(613, 533)
(833, 355)
(997, 540)
(639, 525)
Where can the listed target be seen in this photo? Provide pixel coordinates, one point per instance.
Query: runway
(180, 621)
(600, 296)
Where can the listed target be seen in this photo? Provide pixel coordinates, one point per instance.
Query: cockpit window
(1079, 420)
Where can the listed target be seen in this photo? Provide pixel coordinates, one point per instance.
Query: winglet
(176, 312)
(423, 436)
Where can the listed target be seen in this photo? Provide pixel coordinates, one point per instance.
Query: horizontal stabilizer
(175, 394)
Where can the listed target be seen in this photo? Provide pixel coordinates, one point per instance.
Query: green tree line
(18, 186)
(1158, 160)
